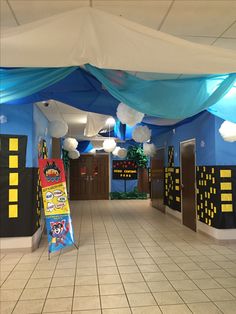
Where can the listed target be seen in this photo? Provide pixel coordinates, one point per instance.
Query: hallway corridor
(131, 259)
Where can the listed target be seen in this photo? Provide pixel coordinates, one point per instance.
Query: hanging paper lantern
(70, 144)
(128, 115)
(116, 150)
(57, 128)
(122, 153)
(74, 154)
(141, 134)
(228, 131)
(149, 149)
(109, 145)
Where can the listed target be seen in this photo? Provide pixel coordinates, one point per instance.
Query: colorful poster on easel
(56, 206)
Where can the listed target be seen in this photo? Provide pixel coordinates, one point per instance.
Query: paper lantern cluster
(128, 115)
(70, 144)
(228, 131)
(120, 152)
(149, 149)
(74, 154)
(109, 145)
(141, 134)
(57, 128)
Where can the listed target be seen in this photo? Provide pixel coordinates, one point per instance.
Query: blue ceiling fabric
(78, 89)
(226, 107)
(22, 82)
(168, 99)
(84, 146)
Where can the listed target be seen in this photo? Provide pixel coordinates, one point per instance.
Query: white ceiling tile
(226, 43)
(6, 17)
(231, 32)
(200, 18)
(199, 39)
(32, 10)
(75, 119)
(148, 13)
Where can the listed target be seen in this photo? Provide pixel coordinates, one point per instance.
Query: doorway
(89, 177)
(157, 180)
(188, 187)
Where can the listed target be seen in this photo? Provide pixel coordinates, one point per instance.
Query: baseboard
(219, 234)
(26, 244)
(174, 213)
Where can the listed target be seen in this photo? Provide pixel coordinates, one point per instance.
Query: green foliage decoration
(128, 195)
(66, 159)
(136, 154)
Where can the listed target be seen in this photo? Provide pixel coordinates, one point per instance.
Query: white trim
(220, 234)
(174, 213)
(22, 243)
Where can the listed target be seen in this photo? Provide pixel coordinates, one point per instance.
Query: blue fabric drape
(169, 99)
(84, 146)
(79, 89)
(162, 98)
(22, 82)
(226, 107)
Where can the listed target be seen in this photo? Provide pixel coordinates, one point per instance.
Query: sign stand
(56, 205)
(49, 253)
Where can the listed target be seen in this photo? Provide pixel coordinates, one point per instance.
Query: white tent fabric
(91, 36)
(95, 123)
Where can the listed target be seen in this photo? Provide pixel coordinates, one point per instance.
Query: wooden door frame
(109, 171)
(180, 163)
(164, 149)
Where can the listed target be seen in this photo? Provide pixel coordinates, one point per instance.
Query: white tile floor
(131, 259)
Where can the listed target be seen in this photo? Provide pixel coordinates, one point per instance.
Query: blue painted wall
(26, 120)
(211, 149)
(225, 151)
(19, 122)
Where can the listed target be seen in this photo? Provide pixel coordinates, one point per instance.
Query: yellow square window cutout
(13, 178)
(226, 207)
(13, 161)
(226, 186)
(13, 195)
(225, 173)
(226, 197)
(13, 211)
(13, 144)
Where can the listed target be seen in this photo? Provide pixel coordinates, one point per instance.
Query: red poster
(51, 172)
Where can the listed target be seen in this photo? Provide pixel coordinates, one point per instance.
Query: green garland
(136, 154)
(66, 159)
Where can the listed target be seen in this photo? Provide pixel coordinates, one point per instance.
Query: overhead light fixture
(110, 121)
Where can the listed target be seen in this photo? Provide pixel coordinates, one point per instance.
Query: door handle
(91, 178)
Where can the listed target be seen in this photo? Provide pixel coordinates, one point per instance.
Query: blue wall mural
(211, 149)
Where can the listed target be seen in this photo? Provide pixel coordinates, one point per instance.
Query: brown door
(187, 155)
(89, 177)
(157, 180)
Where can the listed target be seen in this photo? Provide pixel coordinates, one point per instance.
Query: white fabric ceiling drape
(91, 36)
(95, 123)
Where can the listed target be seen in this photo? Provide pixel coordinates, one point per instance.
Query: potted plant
(136, 154)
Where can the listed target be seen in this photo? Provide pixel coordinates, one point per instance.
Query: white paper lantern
(116, 150)
(57, 128)
(128, 115)
(228, 131)
(70, 144)
(141, 134)
(109, 145)
(149, 149)
(74, 154)
(122, 153)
